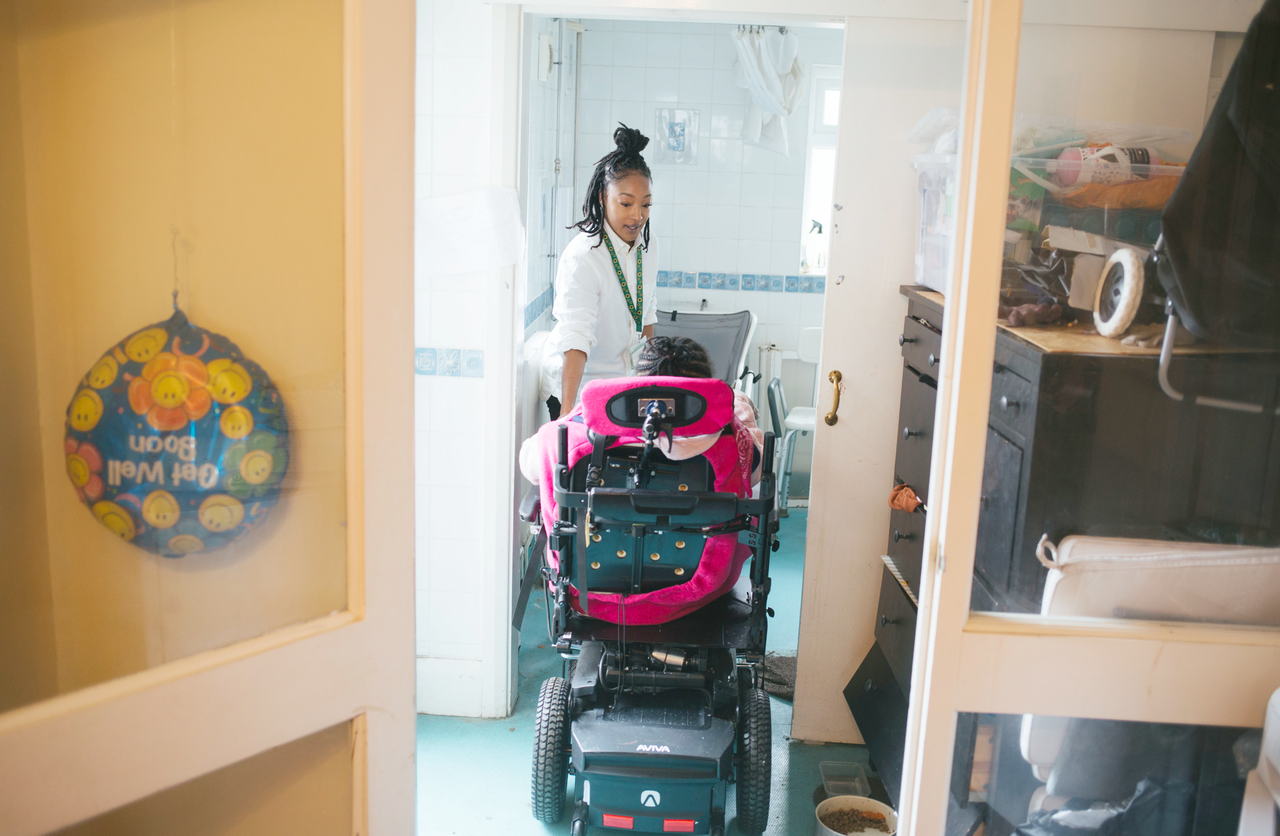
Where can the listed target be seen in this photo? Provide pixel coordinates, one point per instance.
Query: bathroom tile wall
(451, 330)
(735, 211)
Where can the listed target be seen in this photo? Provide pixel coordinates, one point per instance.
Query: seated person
(670, 357)
(734, 452)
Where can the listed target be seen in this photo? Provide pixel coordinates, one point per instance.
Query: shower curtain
(769, 67)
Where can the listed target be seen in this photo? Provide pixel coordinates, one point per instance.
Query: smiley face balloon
(176, 441)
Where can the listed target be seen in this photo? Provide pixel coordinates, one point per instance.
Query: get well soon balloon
(176, 441)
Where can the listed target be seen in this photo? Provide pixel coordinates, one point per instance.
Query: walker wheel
(1119, 293)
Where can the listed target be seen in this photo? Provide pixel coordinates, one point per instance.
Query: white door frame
(75, 756)
(1130, 670)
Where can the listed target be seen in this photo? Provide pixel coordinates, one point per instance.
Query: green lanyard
(636, 309)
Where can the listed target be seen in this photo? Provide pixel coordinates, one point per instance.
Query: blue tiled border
(538, 305)
(735, 281)
(448, 362)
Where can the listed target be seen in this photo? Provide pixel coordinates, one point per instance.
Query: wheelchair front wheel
(551, 751)
(755, 760)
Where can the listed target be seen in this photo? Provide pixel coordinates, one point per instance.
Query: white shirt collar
(617, 239)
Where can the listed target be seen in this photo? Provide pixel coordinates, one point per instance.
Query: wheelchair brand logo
(650, 798)
(645, 747)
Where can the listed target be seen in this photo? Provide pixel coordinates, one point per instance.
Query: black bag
(1220, 259)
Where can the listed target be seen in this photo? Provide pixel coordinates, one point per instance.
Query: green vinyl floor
(473, 775)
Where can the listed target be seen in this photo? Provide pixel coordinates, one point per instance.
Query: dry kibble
(854, 821)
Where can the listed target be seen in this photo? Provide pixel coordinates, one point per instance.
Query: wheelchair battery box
(652, 765)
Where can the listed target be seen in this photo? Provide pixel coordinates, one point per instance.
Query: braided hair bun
(624, 160)
(629, 140)
(673, 357)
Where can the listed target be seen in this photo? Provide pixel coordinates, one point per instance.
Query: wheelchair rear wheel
(551, 751)
(755, 760)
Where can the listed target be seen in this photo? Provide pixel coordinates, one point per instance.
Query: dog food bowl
(853, 802)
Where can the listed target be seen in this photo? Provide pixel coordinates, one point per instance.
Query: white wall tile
(754, 256)
(423, 73)
(725, 155)
(594, 117)
(695, 85)
(453, 459)
(451, 510)
(788, 190)
(664, 50)
(697, 51)
(757, 160)
(722, 222)
(422, 143)
(628, 84)
(724, 188)
(451, 561)
(661, 216)
(453, 93)
(629, 48)
(457, 29)
(630, 26)
(687, 253)
(425, 20)
(786, 224)
(421, 617)
(785, 258)
(691, 220)
(783, 336)
(459, 144)
(421, 449)
(631, 114)
(726, 53)
(721, 256)
(444, 185)
(662, 85)
(597, 49)
(597, 83)
(784, 309)
(726, 120)
(755, 222)
(691, 187)
(811, 305)
(421, 404)
(724, 89)
(457, 318)
(757, 189)
(599, 24)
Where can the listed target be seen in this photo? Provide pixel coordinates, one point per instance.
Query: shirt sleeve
(576, 307)
(650, 284)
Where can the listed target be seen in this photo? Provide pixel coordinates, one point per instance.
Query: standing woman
(604, 304)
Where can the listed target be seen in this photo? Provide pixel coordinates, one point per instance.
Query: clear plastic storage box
(1117, 199)
(842, 778)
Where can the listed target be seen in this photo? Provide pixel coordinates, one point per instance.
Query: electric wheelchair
(640, 555)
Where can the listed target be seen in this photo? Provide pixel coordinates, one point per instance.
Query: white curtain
(769, 67)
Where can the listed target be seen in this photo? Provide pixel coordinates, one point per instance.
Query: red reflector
(677, 825)
(625, 822)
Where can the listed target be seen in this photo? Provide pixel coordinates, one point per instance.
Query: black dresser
(1081, 440)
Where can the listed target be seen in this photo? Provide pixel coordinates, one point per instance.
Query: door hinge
(557, 166)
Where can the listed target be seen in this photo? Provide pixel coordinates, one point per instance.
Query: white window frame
(1131, 670)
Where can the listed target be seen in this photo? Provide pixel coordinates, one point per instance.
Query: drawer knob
(933, 361)
(885, 621)
(907, 433)
(1006, 404)
(903, 339)
(897, 535)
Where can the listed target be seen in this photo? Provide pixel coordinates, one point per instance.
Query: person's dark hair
(674, 357)
(623, 160)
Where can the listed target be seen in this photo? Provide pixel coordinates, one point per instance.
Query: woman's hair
(623, 160)
(674, 357)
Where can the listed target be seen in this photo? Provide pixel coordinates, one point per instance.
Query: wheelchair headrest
(690, 405)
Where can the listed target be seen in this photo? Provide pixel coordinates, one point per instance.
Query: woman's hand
(570, 378)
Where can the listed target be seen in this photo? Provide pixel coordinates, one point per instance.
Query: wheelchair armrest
(531, 505)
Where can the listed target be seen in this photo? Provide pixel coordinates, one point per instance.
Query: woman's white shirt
(591, 312)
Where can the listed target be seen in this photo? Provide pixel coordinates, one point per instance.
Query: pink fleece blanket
(722, 557)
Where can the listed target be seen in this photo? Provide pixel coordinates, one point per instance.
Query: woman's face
(626, 205)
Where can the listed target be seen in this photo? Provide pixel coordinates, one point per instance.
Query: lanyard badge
(636, 309)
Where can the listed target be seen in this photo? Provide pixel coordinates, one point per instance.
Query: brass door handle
(831, 416)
